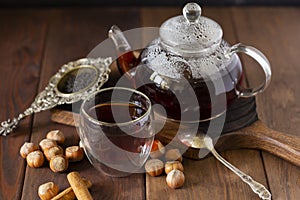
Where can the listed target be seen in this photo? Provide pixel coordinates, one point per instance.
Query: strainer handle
(261, 59)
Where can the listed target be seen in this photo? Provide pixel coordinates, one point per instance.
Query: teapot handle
(261, 59)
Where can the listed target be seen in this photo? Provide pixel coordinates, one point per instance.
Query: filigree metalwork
(51, 96)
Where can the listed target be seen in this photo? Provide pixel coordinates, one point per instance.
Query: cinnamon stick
(68, 194)
(80, 189)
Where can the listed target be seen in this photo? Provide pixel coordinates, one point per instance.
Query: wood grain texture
(64, 117)
(219, 180)
(71, 35)
(208, 179)
(259, 136)
(22, 40)
(51, 37)
(255, 136)
(276, 33)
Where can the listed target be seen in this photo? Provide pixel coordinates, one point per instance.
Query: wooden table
(34, 43)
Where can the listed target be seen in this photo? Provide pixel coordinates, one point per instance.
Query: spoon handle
(8, 125)
(256, 187)
(45, 100)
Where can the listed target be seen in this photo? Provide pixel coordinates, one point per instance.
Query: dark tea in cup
(115, 129)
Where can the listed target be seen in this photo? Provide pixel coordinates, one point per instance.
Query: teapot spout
(120, 41)
(127, 59)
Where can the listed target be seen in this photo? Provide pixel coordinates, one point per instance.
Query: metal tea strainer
(73, 82)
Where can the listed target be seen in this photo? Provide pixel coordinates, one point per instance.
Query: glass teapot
(189, 56)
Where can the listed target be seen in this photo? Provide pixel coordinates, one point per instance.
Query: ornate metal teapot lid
(190, 33)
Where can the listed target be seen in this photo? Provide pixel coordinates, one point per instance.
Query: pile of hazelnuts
(172, 167)
(50, 149)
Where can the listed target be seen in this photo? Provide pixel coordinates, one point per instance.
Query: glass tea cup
(115, 130)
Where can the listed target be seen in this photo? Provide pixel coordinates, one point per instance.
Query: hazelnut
(170, 165)
(59, 163)
(47, 143)
(35, 159)
(48, 190)
(27, 148)
(74, 153)
(175, 179)
(53, 151)
(154, 167)
(56, 135)
(157, 149)
(173, 154)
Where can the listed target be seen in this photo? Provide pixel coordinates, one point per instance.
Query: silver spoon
(207, 142)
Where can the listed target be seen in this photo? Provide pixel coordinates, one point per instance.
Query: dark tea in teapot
(205, 91)
(189, 61)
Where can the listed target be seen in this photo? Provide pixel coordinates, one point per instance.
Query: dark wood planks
(273, 30)
(71, 35)
(277, 34)
(22, 40)
(207, 179)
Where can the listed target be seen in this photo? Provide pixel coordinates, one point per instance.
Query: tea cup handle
(261, 59)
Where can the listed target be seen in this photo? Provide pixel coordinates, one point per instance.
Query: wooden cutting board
(242, 130)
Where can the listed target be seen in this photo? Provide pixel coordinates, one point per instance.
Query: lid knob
(191, 12)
